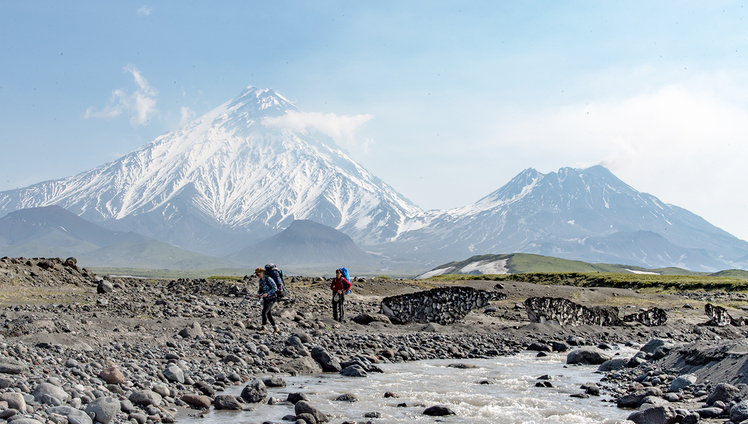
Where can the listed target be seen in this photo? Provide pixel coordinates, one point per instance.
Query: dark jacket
(267, 285)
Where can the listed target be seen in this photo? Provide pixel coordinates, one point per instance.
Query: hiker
(267, 293)
(339, 286)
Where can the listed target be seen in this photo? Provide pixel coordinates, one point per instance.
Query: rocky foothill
(80, 348)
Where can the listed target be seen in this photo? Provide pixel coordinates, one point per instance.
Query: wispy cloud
(187, 115)
(141, 104)
(144, 10)
(342, 128)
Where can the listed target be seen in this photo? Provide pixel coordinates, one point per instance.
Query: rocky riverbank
(76, 347)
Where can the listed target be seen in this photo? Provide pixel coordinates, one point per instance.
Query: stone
(633, 400)
(438, 411)
(104, 287)
(303, 365)
(354, 371)
(366, 319)
(74, 416)
(587, 356)
(103, 409)
(654, 415)
(739, 412)
(227, 402)
(254, 392)
(145, 397)
(327, 361)
(295, 397)
(112, 375)
(192, 331)
(12, 366)
(653, 317)
(198, 401)
(613, 365)
(274, 382)
(304, 407)
(15, 400)
(174, 374)
(723, 392)
(51, 390)
(682, 382)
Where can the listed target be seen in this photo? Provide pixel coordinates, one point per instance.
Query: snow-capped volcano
(227, 180)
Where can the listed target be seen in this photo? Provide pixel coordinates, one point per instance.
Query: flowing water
(509, 397)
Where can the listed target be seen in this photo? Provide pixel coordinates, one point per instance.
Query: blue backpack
(347, 277)
(273, 272)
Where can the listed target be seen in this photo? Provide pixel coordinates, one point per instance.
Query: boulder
(654, 415)
(255, 391)
(145, 398)
(587, 356)
(227, 402)
(304, 407)
(722, 392)
(112, 375)
(438, 411)
(566, 312)
(192, 331)
(354, 371)
(682, 382)
(198, 401)
(12, 366)
(15, 400)
(327, 361)
(74, 416)
(613, 365)
(443, 305)
(174, 374)
(51, 390)
(739, 412)
(103, 410)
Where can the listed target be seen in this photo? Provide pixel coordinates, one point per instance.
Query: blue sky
(445, 101)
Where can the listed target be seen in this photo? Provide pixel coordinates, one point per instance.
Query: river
(497, 390)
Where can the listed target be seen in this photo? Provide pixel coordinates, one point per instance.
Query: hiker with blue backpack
(267, 292)
(340, 286)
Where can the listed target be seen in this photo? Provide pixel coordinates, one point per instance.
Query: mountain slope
(305, 243)
(227, 180)
(54, 232)
(575, 214)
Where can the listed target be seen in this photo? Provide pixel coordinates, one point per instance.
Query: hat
(259, 270)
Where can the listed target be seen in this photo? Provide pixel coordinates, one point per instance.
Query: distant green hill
(519, 263)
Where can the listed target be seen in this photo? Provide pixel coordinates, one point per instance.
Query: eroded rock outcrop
(566, 312)
(653, 317)
(443, 305)
(719, 317)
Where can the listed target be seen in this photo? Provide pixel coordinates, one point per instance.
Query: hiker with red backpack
(340, 286)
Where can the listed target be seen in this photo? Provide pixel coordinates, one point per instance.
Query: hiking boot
(277, 329)
(262, 330)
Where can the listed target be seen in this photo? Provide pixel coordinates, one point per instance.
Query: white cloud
(187, 115)
(144, 10)
(141, 104)
(342, 128)
(683, 145)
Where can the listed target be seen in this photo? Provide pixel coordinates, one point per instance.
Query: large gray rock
(174, 374)
(328, 362)
(74, 416)
(51, 390)
(587, 356)
(145, 398)
(304, 407)
(354, 371)
(613, 365)
(255, 391)
(739, 412)
(103, 410)
(654, 344)
(633, 400)
(722, 392)
(654, 415)
(12, 366)
(192, 331)
(227, 402)
(682, 382)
